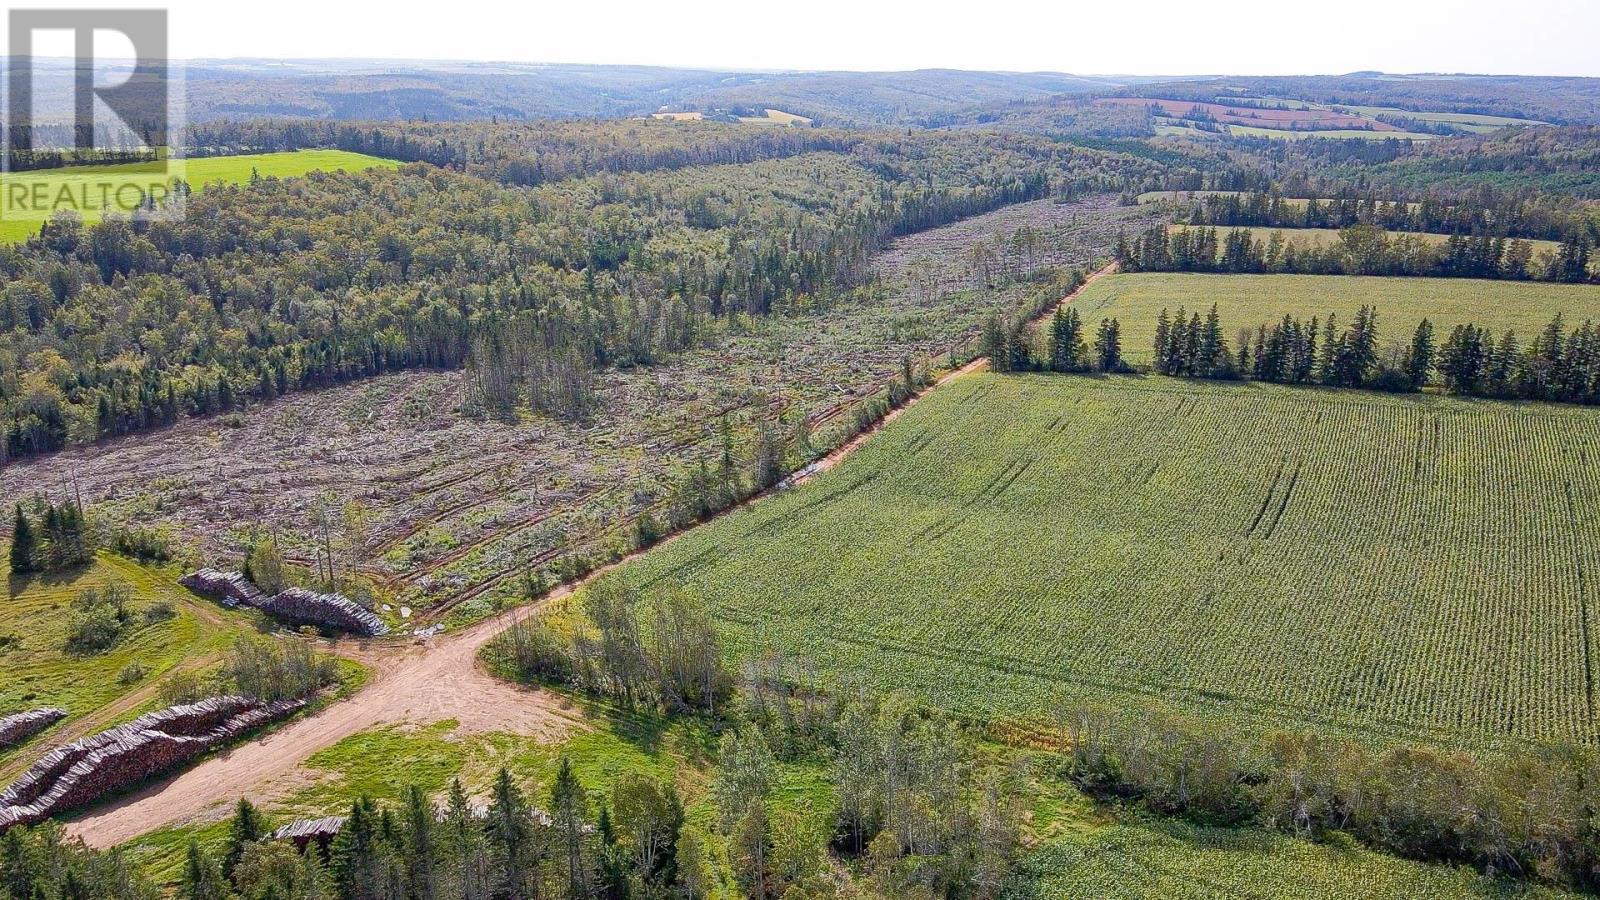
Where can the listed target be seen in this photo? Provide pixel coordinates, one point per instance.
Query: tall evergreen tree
(569, 808)
(1419, 359)
(24, 545)
(202, 878)
(419, 846)
(511, 835)
(247, 828)
(1108, 346)
(353, 857)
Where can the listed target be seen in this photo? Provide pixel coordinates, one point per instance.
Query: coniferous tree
(1067, 348)
(202, 877)
(353, 856)
(24, 545)
(247, 828)
(1419, 359)
(510, 830)
(419, 846)
(1108, 346)
(569, 808)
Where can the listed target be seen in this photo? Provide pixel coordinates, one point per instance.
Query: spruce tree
(419, 848)
(24, 544)
(202, 879)
(1419, 361)
(569, 807)
(1108, 346)
(246, 829)
(511, 834)
(353, 856)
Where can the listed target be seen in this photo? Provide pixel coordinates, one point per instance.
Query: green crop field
(1275, 555)
(1173, 860)
(1245, 301)
(198, 172)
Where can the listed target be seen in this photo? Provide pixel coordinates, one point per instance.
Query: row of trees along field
(1360, 250)
(283, 285)
(1526, 812)
(1557, 364)
(1492, 212)
(1537, 178)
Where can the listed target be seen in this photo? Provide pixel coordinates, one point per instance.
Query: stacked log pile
(307, 607)
(304, 831)
(86, 770)
(296, 605)
(228, 588)
(17, 728)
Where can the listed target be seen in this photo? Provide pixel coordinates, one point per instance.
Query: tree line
(1558, 364)
(1359, 250)
(1527, 812)
(1500, 215)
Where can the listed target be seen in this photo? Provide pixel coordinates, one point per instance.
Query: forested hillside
(284, 285)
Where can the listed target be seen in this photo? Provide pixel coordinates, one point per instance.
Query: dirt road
(425, 682)
(437, 680)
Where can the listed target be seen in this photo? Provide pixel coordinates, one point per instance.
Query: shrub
(144, 544)
(160, 611)
(273, 670)
(132, 673)
(99, 618)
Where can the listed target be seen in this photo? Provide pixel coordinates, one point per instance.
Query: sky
(1147, 37)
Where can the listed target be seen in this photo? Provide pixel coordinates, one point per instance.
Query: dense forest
(279, 286)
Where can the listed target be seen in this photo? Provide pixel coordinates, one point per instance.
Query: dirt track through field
(429, 681)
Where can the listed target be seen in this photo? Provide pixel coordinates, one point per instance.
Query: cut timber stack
(86, 770)
(332, 610)
(296, 605)
(229, 588)
(304, 831)
(17, 728)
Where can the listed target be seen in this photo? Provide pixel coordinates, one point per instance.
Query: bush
(132, 673)
(158, 612)
(99, 618)
(187, 687)
(536, 653)
(271, 670)
(144, 544)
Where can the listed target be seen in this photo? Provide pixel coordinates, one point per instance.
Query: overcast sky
(1536, 37)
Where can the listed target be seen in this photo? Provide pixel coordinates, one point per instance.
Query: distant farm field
(1245, 301)
(62, 184)
(1322, 237)
(1415, 567)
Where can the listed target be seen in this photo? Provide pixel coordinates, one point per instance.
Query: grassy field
(198, 172)
(1353, 134)
(1272, 555)
(1245, 301)
(36, 669)
(776, 117)
(1469, 121)
(1322, 237)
